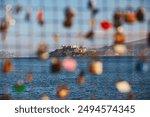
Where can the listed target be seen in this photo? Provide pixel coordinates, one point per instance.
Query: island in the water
(73, 50)
(134, 48)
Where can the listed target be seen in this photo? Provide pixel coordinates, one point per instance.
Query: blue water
(99, 87)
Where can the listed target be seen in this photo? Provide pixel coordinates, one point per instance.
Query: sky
(24, 37)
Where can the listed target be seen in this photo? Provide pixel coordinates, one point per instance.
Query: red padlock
(40, 17)
(106, 25)
(69, 64)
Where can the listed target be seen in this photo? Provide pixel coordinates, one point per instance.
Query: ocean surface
(96, 86)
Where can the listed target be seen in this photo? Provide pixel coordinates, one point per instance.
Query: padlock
(142, 66)
(68, 23)
(7, 66)
(117, 18)
(62, 92)
(40, 17)
(90, 35)
(18, 8)
(120, 49)
(106, 25)
(4, 26)
(69, 14)
(130, 16)
(123, 86)
(81, 78)
(95, 11)
(140, 14)
(55, 65)
(19, 86)
(69, 64)
(43, 51)
(96, 67)
(91, 6)
(45, 97)
(119, 38)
